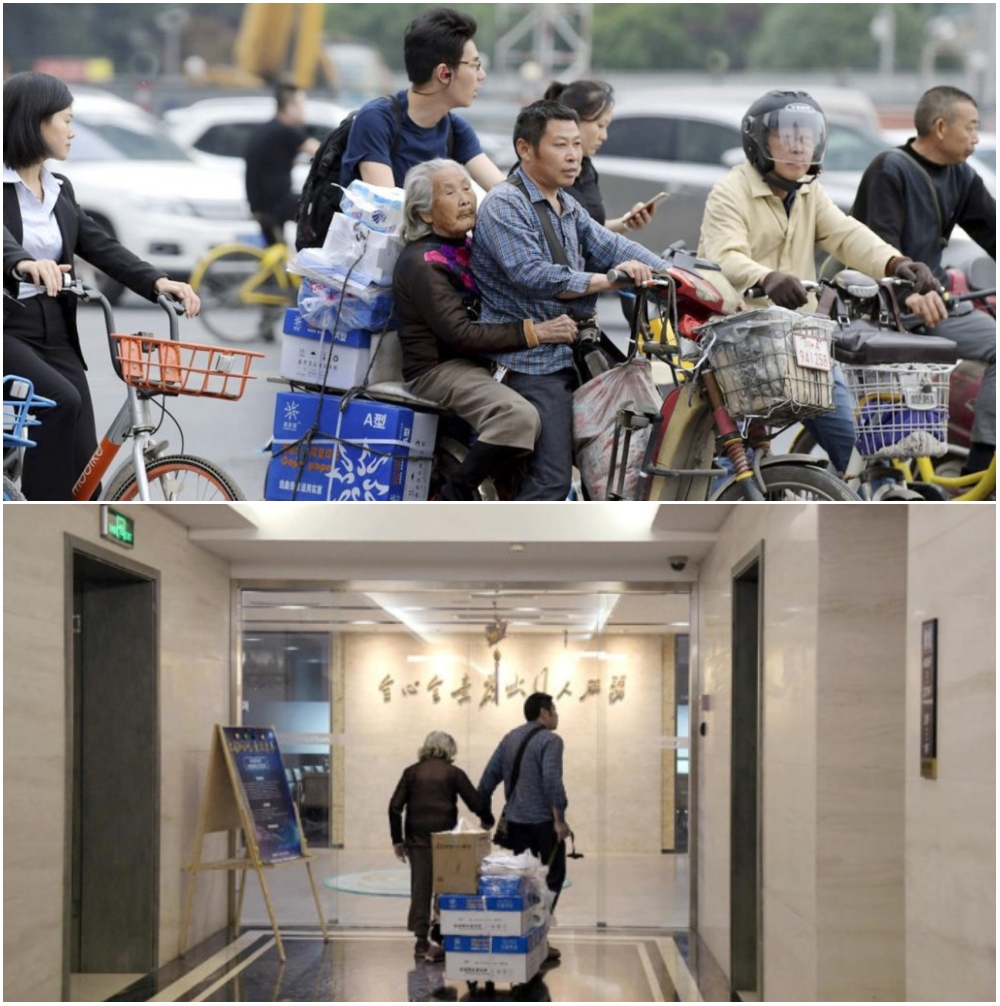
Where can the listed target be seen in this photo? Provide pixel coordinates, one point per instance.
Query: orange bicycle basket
(161, 366)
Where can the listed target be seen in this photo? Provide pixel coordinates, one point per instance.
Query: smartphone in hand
(649, 205)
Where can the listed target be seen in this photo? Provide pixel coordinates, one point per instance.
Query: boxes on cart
(310, 356)
(367, 451)
(472, 914)
(511, 885)
(495, 964)
(456, 857)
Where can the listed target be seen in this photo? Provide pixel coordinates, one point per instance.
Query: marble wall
(951, 821)
(872, 877)
(194, 622)
(612, 748)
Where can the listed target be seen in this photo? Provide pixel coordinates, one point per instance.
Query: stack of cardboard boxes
(494, 926)
(358, 449)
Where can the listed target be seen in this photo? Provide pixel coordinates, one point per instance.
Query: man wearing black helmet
(764, 219)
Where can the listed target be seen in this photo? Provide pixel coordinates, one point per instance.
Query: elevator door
(746, 938)
(115, 836)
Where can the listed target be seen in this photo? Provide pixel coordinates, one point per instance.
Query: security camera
(678, 563)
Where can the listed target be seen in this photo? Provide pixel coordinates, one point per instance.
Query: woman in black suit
(43, 229)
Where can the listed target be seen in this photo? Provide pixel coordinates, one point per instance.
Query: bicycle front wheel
(228, 286)
(178, 478)
(794, 484)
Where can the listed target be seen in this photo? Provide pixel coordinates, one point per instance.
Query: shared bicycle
(153, 371)
(244, 290)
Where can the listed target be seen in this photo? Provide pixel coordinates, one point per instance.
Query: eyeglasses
(476, 64)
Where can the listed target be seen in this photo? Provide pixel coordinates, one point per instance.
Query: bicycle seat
(860, 343)
(396, 391)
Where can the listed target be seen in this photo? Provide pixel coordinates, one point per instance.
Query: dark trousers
(421, 890)
(36, 345)
(541, 840)
(550, 468)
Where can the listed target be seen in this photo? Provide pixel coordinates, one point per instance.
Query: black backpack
(321, 192)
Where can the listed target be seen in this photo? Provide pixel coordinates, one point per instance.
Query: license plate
(811, 352)
(920, 399)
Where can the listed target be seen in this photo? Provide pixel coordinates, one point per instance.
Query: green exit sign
(117, 527)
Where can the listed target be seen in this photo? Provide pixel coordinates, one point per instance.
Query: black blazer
(81, 236)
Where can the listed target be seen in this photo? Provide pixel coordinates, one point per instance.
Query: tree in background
(835, 36)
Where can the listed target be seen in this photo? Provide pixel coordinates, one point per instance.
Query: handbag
(501, 836)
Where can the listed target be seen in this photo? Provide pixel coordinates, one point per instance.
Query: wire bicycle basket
(162, 366)
(902, 409)
(772, 363)
(19, 401)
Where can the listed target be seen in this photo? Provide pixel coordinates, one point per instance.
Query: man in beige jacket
(764, 219)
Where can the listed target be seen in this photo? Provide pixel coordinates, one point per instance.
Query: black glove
(784, 290)
(923, 280)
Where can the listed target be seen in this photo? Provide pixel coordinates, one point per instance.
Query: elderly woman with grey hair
(428, 795)
(444, 347)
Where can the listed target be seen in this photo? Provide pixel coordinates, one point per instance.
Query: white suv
(148, 192)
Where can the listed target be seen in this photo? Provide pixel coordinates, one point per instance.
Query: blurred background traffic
(168, 94)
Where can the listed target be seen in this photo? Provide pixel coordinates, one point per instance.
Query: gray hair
(438, 744)
(419, 196)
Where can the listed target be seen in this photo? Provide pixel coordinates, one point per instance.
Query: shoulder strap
(934, 193)
(556, 248)
(520, 756)
(398, 113)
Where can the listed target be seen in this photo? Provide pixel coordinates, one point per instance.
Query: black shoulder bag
(593, 351)
(500, 836)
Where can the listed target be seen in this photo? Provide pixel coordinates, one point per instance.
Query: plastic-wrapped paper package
(378, 207)
(352, 247)
(364, 308)
(595, 410)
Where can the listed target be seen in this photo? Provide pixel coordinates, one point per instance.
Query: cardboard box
(495, 966)
(296, 325)
(310, 357)
(457, 856)
(371, 451)
(454, 923)
(469, 944)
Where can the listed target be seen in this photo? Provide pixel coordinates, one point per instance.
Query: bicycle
(153, 368)
(19, 403)
(722, 400)
(244, 289)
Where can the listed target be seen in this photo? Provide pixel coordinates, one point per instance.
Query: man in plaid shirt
(518, 277)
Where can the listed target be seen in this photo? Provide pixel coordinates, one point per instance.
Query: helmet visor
(796, 137)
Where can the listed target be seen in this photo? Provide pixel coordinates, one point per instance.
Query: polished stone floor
(358, 965)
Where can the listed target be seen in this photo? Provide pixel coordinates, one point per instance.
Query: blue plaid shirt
(517, 278)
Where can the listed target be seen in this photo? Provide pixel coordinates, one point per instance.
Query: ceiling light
(362, 622)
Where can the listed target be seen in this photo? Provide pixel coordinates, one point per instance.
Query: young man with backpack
(386, 137)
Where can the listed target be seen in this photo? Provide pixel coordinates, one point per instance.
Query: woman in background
(594, 102)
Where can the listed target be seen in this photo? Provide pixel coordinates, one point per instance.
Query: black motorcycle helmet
(782, 110)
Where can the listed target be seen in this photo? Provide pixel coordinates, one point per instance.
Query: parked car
(216, 131)
(131, 177)
(683, 143)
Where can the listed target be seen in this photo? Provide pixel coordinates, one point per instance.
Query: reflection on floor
(358, 965)
(620, 890)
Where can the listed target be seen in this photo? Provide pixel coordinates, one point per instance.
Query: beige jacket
(746, 231)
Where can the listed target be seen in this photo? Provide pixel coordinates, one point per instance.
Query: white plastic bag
(595, 412)
(352, 246)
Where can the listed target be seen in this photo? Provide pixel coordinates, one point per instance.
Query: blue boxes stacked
(367, 451)
(495, 935)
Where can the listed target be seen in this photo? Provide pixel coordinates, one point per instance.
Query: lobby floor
(621, 926)
(357, 965)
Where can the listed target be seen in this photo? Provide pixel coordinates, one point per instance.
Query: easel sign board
(256, 764)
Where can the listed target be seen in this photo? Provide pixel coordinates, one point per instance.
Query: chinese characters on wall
(580, 687)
